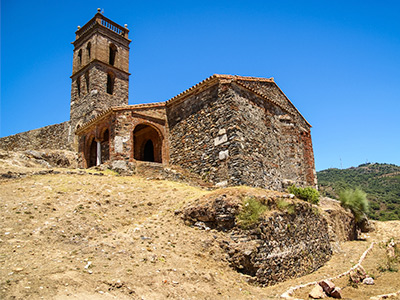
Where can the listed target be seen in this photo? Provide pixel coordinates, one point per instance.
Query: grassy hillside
(381, 182)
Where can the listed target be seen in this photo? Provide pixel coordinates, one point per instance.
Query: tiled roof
(108, 111)
(266, 88)
(213, 79)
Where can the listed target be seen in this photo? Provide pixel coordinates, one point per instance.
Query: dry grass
(52, 226)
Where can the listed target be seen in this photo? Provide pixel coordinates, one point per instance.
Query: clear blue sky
(338, 62)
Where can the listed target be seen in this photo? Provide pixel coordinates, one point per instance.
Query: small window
(78, 86)
(113, 52)
(87, 81)
(110, 83)
(80, 57)
(88, 49)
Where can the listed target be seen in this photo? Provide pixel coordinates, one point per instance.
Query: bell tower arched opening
(147, 144)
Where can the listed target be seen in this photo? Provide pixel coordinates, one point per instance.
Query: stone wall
(273, 144)
(283, 245)
(199, 127)
(92, 98)
(341, 224)
(121, 123)
(56, 137)
(122, 132)
(232, 136)
(100, 51)
(289, 240)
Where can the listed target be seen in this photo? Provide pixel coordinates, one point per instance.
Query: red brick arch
(147, 143)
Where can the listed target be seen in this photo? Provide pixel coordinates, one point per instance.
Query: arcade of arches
(147, 146)
(98, 151)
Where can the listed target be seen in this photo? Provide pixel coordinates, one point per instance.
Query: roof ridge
(275, 102)
(91, 121)
(262, 95)
(140, 105)
(116, 108)
(218, 76)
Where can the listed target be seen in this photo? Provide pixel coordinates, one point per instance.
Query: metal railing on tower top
(105, 22)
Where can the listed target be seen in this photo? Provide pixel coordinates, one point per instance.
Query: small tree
(355, 200)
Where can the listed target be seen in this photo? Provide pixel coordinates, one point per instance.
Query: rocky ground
(73, 234)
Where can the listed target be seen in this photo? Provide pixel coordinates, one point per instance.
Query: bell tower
(100, 70)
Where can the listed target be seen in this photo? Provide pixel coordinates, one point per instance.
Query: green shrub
(308, 194)
(356, 201)
(250, 213)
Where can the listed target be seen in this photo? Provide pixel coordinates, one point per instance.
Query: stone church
(231, 130)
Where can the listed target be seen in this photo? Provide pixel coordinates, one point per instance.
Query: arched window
(87, 81)
(113, 52)
(110, 83)
(88, 49)
(80, 57)
(78, 86)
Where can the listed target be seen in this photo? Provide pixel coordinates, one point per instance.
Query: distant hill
(381, 182)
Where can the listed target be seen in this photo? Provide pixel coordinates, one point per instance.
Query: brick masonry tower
(100, 71)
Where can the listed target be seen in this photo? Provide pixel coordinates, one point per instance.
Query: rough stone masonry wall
(282, 246)
(199, 128)
(284, 243)
(292, 245)
(123, 125)
(94, 99)
(272, 151)
(50, 137)
(230, 136)
(100, 51)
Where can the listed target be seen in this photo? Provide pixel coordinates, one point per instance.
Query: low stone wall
(341, 224)
(55, 137)
(290, 240)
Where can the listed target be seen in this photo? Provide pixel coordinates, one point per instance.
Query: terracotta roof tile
(215, 78)
(108, 111)
(247, 82)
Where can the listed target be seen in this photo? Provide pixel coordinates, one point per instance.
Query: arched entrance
(105, 146)
(148, 151)
(92, 154)
(147, 144)
(97, 151)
